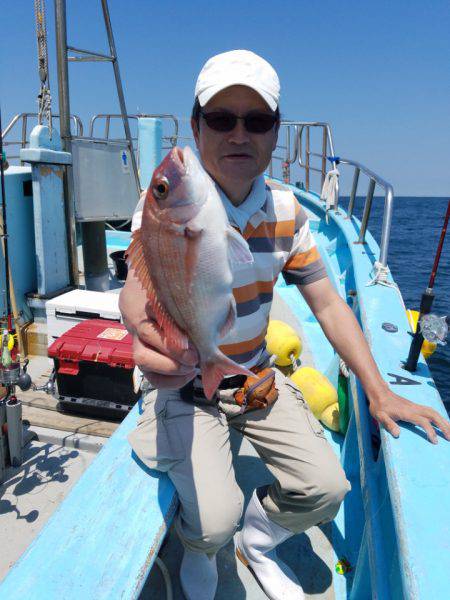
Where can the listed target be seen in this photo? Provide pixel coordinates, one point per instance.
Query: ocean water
(415, 232)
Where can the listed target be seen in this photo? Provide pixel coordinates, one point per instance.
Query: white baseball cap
(238, 67)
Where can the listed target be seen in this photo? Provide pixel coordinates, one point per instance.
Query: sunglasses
(255, 122)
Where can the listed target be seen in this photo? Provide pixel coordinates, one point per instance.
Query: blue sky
(379, 72)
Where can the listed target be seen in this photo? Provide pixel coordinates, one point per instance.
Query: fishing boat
(103, 527)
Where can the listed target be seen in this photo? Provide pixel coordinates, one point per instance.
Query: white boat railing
(22, 120)
(171, 139)
(298, 151)
(373, 180)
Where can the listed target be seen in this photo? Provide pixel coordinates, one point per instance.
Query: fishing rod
(12, 373)
(426, 301)
(4, 233)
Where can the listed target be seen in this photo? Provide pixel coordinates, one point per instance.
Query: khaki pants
(192, 444)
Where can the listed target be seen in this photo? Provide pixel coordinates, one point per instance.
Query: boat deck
(32, 492)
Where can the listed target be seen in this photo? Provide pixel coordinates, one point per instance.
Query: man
(235, 125)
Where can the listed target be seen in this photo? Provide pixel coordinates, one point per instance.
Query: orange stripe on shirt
(241, 347)
(252, 290)
(302, 259)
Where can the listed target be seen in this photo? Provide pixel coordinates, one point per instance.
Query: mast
(64, 112)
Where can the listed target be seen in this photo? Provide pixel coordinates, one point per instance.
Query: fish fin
(215, 370)
(174, 336)
(229, 321)
(238, 249)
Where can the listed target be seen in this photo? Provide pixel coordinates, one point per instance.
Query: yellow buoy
(283, 342)
(427, 347)
(320, 395)
(11, 341)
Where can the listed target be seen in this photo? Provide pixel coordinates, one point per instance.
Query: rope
(381, 273)
(343, 368)
(166, 576)
(381, 276)
(44, 97)
(330, 190)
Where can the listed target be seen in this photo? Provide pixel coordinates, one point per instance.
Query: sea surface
(415, 232)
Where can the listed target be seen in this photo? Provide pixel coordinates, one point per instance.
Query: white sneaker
(255, 547)
(198, 576)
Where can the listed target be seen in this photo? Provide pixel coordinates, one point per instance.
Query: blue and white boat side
(404, 543)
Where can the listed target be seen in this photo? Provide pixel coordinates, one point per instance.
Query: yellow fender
(282, 341)
(428, 348)
(320, 395)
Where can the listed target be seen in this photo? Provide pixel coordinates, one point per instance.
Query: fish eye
(161, 189)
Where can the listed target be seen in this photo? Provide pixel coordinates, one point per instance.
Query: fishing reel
(16, 374)
(434, 328)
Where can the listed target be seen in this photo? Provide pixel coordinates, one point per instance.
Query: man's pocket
(156, 440)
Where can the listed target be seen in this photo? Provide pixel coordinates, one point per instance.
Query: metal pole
(307, 152)
(123, 108)
(288, 144)
(367, 207)
(353, 192)
(64, 120)
(386, 228)
(24, 132)
(324, 156)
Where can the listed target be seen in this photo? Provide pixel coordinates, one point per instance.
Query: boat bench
(103, 539)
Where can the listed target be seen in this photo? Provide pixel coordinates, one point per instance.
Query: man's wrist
(377, 393)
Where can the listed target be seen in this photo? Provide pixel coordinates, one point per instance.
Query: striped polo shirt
(280, 241)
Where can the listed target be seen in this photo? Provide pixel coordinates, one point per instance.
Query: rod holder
(3, 442)
(417, 341)
(14, 421)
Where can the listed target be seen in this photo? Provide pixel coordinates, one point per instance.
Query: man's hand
(391, 408)
(164, 368)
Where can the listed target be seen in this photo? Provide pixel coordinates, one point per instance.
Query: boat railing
(296, 149)
(22, 120)
(169, 141)
(373, 180)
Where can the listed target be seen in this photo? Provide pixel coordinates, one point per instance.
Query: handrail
(108, 116)
(293, 152)
(24, 117)
(374, 179)
(297, 139)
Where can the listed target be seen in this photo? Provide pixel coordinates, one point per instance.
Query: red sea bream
(182, 255)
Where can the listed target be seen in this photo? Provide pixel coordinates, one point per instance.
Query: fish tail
(213, 371)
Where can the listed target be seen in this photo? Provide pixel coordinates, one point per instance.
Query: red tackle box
(94, 369)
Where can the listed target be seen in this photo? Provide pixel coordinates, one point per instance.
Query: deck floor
(32, 492)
